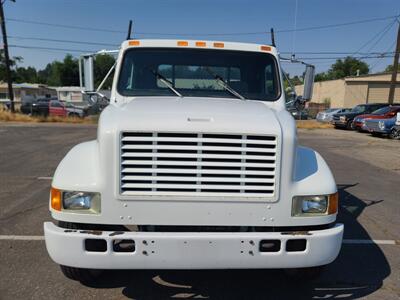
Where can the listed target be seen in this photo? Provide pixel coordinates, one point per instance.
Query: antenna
(129, 30)
(272, 37)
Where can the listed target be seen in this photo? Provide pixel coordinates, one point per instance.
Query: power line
(389, 25)
(203, 34)
(376, 54)
(53, 49)
(377, 60)
(64, 26)
(344, 53)
(382, 55)
(339, 24)
(61, 41)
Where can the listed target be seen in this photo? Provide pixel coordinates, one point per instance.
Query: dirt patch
(312, 124)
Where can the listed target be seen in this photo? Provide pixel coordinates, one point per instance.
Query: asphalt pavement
(367, 171)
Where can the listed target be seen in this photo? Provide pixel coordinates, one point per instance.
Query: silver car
(326, 115)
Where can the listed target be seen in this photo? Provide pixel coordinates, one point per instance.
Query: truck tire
(304, 274)
(349, 125)
(79, 274)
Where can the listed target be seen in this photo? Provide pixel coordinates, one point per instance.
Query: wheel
(349, 125)
(304, 274)
(394, 134)
(79, 274)
(82, 275)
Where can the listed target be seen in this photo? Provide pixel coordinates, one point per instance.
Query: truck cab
(196, 165)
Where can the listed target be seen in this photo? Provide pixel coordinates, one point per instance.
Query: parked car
(345, 120)
(37, 107)
(395, 132)
(326, 115)
(380, 126)
(65, 109)
(386, 112)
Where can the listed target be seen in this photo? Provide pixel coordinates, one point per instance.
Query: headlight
(75, 201)
(342, 118)
(81, 201)
(381, 125)
(304, 206)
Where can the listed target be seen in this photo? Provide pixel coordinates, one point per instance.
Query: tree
(102, 65)
(13, 63)
(69, 71)
(28, 74)
(56, 73)
(343, 68)
(348, 67)
(389, 69)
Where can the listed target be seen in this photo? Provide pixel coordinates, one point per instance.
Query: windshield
(192, 72)
(382, 111)
(358, 109)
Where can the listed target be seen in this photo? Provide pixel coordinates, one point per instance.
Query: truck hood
(194, 114)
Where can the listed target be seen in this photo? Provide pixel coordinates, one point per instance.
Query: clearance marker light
(265, 48)
(182, 43)
(201, 44)
(219, 45)
(134, 43)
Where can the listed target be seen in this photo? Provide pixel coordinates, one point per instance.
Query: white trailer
(196, 165)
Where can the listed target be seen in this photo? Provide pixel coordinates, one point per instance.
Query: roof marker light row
(199, 44)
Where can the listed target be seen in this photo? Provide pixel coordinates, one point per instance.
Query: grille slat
(196, 164)
(197, 140)
(211, 179)
(195, 155)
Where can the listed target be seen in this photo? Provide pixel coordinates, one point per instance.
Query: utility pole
(6, 56)
(395, 68)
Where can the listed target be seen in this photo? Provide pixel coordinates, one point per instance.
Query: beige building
(350, 91)
(26, 91)
(69, 93)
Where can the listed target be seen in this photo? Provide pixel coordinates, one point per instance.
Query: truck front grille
(195, 164)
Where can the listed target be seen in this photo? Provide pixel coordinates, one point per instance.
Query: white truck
(196, 165)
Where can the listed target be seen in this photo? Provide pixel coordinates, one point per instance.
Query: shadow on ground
(357, 272)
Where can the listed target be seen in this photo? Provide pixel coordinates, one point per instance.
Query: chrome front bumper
(192, 250)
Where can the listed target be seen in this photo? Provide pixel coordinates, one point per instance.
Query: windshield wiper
(221, 82)
(166, 82)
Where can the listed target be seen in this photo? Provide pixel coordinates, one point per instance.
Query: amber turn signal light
(333, 203)
(55, 199)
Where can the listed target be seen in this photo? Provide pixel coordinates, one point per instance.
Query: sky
(242, 20)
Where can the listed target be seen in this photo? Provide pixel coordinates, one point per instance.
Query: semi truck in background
(196, 165)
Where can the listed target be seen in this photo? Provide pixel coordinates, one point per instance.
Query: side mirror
(88, 75)
(308, 83)
(398, 118)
